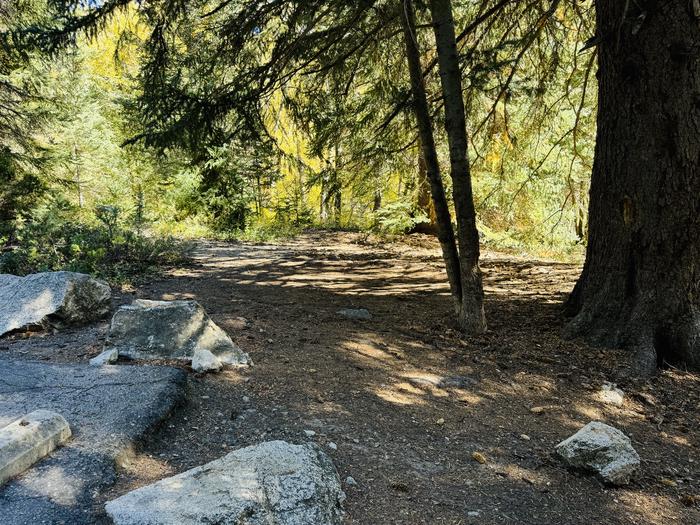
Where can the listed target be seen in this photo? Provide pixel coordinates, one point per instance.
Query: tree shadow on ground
(407, 399)
(377, 388)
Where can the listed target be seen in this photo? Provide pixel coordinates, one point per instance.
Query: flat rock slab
(50, 298)
(109, 408)
(170, 330)
(271, 483)
(29, 439)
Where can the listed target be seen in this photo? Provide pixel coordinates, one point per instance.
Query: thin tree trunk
(78, 181)
(326, 192)
(472, 316)
(420, 106)
(640, 286)
(337, 202)
(424, 202)
(377, 203)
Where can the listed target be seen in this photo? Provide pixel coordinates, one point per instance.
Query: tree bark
(446, 234)
(424, 202)
(640, 286)
(337, 203)
(471, 316)
(377, 202)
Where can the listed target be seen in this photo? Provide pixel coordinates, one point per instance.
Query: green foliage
(51, 242)
(253, 118)
(399, 217)
(225, 184)
(19, 192)
(261, 232)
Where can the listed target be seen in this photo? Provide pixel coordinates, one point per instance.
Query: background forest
(89, 184)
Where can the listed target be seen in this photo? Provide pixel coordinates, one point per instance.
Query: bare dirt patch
(403, 401)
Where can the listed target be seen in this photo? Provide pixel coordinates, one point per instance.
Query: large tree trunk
(471, 316)
(640, 286)
(427, 141)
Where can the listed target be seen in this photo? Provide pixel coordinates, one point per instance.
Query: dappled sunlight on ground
(380, 389)
(405, 398)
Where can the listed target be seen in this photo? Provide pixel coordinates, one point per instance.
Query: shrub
(105, 250)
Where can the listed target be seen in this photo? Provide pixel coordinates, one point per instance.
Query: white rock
(204, 361)
(601, 449)
(332, 446)
(270, 483)
(108, 357)
(29, 439)
(309, 433)
(51, 298)
(611, 395)
(350, 481)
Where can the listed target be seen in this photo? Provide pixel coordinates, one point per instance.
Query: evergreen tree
(640, 285)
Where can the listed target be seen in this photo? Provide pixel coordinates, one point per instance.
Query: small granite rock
(601, 449)
(51, 298)
(358, 314)
(273, 482)
(239, 323)
(611, 395)
(204, 361)
(108, 357)
(350, 481)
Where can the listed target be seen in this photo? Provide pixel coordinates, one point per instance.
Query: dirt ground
(404, 397)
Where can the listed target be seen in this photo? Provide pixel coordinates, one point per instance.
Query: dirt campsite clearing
(423, 424)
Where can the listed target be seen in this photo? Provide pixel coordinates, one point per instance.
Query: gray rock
(51, 298)
(601, 449)
(350, 481)
(204, 361)
(109, 408)
(271, 483)
(170, 330)
(360, 314)
(457, 382)
(108, 357)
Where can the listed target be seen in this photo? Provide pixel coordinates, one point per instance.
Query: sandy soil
(405, 398)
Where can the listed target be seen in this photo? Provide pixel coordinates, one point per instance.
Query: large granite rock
(170, 330)
(270, 483)
(50, 298)
(110, 408)
(601, 449)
